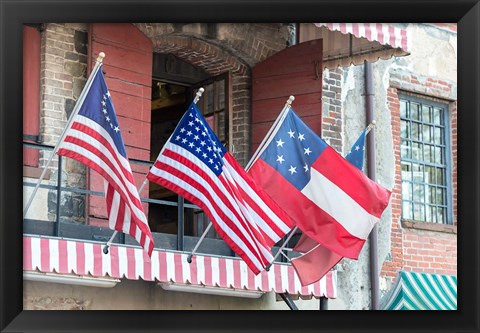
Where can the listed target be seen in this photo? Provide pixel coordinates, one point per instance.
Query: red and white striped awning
(62, 256)
(345, 44)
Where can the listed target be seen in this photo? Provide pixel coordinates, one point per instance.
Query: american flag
(194, 164)
(95, 140)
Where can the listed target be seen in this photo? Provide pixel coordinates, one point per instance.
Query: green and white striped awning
(421, 291)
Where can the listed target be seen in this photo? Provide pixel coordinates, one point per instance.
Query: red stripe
(63, 257)
(44, 255)
(303, 289)
(356, 29)
(177, 258)
(162, 267)
(222, 272)
(329, 280)
(208, 271)
(250, 280)
(194, 271)
(194, 199)
(343, 28)
(80, 247)
(404, 40)
(380, 35)
(368, 194)
(147, 267)
(237, 276)
(97, 260)
(368, 32)
(291, 279)
(114, 263)
(278, 279)
(317, 289)
(27, 254)
(323, 229)
(264, 281)
(391, 31)
(131, 269)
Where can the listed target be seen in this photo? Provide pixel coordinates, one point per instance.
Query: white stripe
(71, 257)
(89, 257)
(200, 269)
(339, 205)
(243, 275)
(126, 224)
(122, 261)
(170, 267)
(296, 282)
(36, 253)
(54, 255)
(139, 272)
(155, 259)
(230, 272)
(398, 37)
(310, 288)
(271, 278)
(285, 277)
(106, 263)
(215, 269)
(334, 283)
(361, 30)
(323, 285)
(186, 271)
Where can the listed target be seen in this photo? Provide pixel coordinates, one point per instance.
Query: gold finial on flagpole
(101, 55)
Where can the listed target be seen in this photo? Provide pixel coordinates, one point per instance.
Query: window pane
(440, 196)
(407, 210)
(416, 134)
(441, 177)
(209, 98)
(417, 151)
(220, 117)
(417, 172)
(438, 116)
(415, 111)
(220, 95)
(441, 215)
(405, 129)
(439, 153)
(418, 212)
(426, 114)
(439, 136)
(407, 190)
(429, 174)
(406, 149)
(427, 133)
(418, 193)
(404, 109)
(430, 194)
(428, 152)
(406, 171)
(431, 214)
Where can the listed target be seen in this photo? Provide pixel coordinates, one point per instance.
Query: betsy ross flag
(95, 140)
(330, 200)
(194, 164)
(316, 259)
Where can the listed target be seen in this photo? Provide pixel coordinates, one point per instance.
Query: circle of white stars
(114, 127)
(306, 151)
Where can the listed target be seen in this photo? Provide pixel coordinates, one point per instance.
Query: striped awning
(421, 291)
(345, 44)
(65, 256)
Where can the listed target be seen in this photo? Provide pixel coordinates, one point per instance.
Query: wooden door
(128, 73)
(295, 71)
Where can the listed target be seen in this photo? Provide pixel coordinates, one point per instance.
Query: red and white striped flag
(94, 139)
(194, 164)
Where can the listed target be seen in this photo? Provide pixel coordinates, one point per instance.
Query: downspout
(371, 163)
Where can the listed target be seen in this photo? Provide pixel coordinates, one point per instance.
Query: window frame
(445, 106)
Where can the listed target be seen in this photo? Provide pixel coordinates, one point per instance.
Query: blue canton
(98, 107)
(357, 152)
(194, 134)
(293, 150)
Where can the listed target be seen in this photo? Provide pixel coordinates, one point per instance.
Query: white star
(196, 119)
(177, 138)
(204, 133)
(307, 151)
(191, 145)
(198, 149)
(357, 148)
(104, 111)
(182, 130)
(292, 133)
(190, 123)
(306, 167)
(104, 103)
(104, 97)
(204, 155)
(107, 118)
(280, 143)
(209, 148)
(197, 128)
(184, 140)
(280, 159)
(203, 143)
(216, 167)
(301, 137)
(196, 137)
(292, 169)
(111, 125)
(189, 133)
(210, 161)
(108, 93)
(116, 129)
(190, 115)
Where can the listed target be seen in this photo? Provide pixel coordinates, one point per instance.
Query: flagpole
(281, 248)
(145, 181)
(371, 126)
(266, 140)
(81, 98)
(263, 144)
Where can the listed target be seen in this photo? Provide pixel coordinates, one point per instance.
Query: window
(425, 161)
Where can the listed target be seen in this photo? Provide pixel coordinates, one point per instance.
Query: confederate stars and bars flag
(194, 164)
(95, 140)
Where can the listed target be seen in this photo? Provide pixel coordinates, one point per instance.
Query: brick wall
(423, 247)
(62, 77)
(332, 108)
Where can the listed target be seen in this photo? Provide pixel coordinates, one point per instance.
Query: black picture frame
(14, 13)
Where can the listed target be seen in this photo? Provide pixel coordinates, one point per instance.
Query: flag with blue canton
(357, 152)
(94, 139)
(194, 164)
